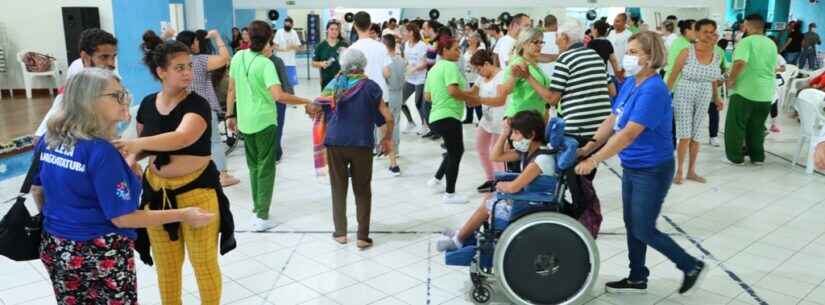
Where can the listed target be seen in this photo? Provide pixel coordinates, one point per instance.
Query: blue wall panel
(243, 17)
(219, 15)
(129, 28)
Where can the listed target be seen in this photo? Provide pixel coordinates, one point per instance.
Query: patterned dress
(693, 93)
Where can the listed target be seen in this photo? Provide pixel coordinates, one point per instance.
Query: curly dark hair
(157, 53)
(90, 39)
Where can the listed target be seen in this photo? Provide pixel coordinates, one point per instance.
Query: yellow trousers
(201, 244)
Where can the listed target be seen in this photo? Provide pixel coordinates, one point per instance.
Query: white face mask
(522, 145)
(630, 64)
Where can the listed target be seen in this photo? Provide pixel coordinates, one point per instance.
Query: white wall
(37, 25)
(194, 15)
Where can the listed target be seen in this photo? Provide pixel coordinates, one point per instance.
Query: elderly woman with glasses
(89, 196)
(352, 108)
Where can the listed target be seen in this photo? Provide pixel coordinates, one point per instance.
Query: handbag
(20, 232)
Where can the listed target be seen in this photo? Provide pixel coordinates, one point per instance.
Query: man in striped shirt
(580, 90)
(579, 85)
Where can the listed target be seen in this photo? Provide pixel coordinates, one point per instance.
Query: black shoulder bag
(20, 233)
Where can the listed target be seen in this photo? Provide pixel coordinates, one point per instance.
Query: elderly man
(579, 89)
(579, 85)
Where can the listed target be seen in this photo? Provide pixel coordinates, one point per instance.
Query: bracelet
(231, 116)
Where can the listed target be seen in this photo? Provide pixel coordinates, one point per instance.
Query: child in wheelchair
(529, 146)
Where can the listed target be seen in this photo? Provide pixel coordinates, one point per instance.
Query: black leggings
(774, 110)
(408, 90)
(713, 121)
(477, 109)
(450, 130)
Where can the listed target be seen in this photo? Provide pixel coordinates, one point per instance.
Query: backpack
(36, 62)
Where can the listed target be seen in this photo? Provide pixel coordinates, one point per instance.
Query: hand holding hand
(213, 34)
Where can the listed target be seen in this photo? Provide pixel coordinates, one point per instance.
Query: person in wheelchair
(526, 130)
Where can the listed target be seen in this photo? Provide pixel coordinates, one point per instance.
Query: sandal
(341, 240)
(364, 243)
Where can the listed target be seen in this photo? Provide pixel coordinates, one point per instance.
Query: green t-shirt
(523, 96)
(324, 52)
(678, 45)
(633, 29)
(443, 74)
(253, 74)
(757, 81)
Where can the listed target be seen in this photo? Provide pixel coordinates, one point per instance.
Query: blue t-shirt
(85, 188)
(353, 121)
(648, 105)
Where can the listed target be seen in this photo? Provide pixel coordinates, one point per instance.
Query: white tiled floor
(763, 224)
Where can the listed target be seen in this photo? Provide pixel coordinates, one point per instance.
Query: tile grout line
(281, 272)
(748, 289)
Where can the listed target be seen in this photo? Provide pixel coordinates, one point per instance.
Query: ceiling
(261, 4)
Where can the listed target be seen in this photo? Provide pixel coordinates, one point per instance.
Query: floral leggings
(95, 272)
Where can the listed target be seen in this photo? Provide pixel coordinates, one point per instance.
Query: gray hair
(525, 37)
(76, 118)
(573, 30)
(353, 60)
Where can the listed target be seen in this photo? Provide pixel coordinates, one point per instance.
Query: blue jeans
(792, 58)
(808, 56)
(643, 192)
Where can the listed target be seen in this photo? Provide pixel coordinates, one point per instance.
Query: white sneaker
(423, 130)
(435, 185)
(411, 128)
(454, 199)
(758, 163)
(262, 225)
(715, 142)
(729, 162)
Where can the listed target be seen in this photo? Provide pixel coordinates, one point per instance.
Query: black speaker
(273, 15)
(313, 30)
(75, 20)
(434, 14)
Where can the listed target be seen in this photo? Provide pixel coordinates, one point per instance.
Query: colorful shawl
(340, 89)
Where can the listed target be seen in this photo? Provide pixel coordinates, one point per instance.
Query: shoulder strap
(33, 168)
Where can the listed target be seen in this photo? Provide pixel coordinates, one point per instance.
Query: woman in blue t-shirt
(639, 131)
(89, 196)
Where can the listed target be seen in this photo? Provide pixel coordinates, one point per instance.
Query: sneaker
(775, 129)
(729, 162)
(715, 142)
(454, 199)
(411, 128)
(758, 163)
(446, 244)
(626, 286)
(435, 185)
(487, 187)
(694, 278)
(429, 134)
(262, 225)
(395, 171)
(423, 130)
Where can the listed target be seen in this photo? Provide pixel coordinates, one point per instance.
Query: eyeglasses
(538, 42)
(122, 97)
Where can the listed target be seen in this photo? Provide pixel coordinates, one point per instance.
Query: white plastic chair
(54, 73)
(809, 105)
(801, 80)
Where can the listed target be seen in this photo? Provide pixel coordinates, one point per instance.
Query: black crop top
(155, 123)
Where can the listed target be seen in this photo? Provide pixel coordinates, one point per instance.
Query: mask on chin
(287, 28)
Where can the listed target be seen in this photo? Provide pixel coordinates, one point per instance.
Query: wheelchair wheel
(546, 258)
(482, 294)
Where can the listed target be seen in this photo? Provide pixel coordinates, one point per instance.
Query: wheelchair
(540, 255)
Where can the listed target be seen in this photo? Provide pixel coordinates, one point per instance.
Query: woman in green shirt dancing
(445, 87)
